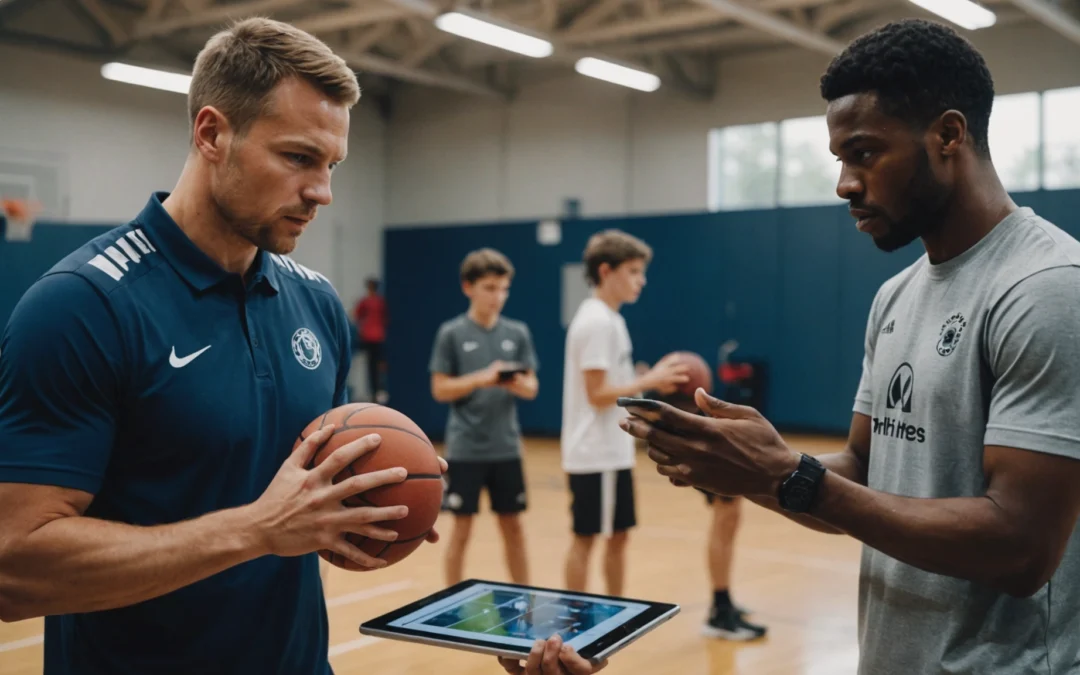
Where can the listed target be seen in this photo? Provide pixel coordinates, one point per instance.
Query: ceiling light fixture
(146, 77)
(963, 13)
(617, 74)
(489, 33)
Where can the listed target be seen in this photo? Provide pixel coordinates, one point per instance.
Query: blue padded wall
(793, 286)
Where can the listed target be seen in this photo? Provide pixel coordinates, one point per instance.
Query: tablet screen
(515, 616)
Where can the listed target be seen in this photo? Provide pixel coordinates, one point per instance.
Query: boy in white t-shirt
(599, 369)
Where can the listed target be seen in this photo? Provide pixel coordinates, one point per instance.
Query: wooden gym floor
(801, 584)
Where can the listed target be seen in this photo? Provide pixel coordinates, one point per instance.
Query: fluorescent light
(493, 34)
(146, 77)
(616, 74)
(963, 13)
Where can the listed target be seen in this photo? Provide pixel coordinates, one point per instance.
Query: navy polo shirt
(139, 371)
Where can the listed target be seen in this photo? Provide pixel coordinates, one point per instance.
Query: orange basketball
(403, 444)
(698, 371)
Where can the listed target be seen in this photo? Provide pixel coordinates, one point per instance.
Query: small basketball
(698, 371)
(403, 444)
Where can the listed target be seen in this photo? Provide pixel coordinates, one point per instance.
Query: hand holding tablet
(551, 656)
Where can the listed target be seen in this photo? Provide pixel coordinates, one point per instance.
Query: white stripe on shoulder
(296, 269)
(120, 256)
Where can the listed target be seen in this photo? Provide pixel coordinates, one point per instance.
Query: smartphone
(508, 375)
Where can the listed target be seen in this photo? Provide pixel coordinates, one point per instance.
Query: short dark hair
(918, 69)
(613, 247)
(485, 262)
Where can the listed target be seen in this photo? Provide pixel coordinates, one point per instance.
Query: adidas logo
(888, 329)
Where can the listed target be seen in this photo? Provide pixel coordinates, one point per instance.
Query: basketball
(698, 371)
(403, 444)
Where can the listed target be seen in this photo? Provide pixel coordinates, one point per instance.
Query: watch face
(797, 493)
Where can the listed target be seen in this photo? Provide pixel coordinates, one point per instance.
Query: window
(742, 167)
(1014, 140)
(810, 172)
(1061, 139)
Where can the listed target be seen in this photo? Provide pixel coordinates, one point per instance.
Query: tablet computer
(506, 619)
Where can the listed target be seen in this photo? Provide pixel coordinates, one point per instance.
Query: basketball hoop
(19, 217)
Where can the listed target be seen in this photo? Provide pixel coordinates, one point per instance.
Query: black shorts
(504, 480)
(603, 503)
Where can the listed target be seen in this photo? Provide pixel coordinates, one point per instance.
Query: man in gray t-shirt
(481, 364)
(960, 473)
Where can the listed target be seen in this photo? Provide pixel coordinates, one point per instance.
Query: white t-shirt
(591, 439)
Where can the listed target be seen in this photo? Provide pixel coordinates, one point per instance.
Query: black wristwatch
(799, 491)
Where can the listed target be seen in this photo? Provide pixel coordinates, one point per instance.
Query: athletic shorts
(504, 480)
(603, 503)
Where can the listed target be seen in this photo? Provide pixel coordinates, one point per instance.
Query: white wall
(119, 143)
(456, 159)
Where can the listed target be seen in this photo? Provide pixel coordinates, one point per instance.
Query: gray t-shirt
(983, 349)
(482, 426)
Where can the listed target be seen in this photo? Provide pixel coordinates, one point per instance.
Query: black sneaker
(729, 624)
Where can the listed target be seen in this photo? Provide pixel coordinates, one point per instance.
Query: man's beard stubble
(260, 235)
(926, 206)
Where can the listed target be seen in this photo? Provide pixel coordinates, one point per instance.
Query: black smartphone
(508, 375)
(643, 403)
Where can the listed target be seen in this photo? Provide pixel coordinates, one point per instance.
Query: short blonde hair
(485, 262)
(239, 67)
(613, 247)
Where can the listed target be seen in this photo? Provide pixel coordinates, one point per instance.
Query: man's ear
(950, 132)
(211, 134)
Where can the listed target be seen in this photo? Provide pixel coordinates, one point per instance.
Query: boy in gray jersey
(960, 472)
(481, 364)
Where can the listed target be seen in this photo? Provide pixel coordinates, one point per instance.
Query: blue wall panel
(793, 286)
(21, 263)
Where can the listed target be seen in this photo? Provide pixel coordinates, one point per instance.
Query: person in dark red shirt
(371, 317)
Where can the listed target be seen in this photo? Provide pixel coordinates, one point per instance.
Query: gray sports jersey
(483, 425)
(981, 350)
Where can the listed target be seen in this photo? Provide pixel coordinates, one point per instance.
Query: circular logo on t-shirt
(306, 348)
(951, 333)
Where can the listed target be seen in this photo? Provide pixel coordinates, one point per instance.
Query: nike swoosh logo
(177, 362)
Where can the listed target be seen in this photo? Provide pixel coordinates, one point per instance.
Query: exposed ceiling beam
(419, 7)
(370, 63)
(832, 15)
(707, 40)
(211, 16)
(666, 23)
(595, 14)
(154, 10)
(774, 25)
(549, 14)
(1053, 17)
(351, 17)
(372, 37)
(425, 49)
(116, 34)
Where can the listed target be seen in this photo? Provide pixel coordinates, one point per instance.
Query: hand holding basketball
(552, 657)
(302, 510)
(665, 377)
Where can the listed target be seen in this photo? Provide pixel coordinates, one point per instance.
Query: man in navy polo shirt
(152, 385)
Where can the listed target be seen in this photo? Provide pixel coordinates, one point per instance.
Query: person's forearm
(969, 538)
(78, 564)
(526, 387)
(607, 395)
(453, 388)
(842, 463)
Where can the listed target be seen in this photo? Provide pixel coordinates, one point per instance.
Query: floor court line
(366, 594)
(19, 644)
(353, 645)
